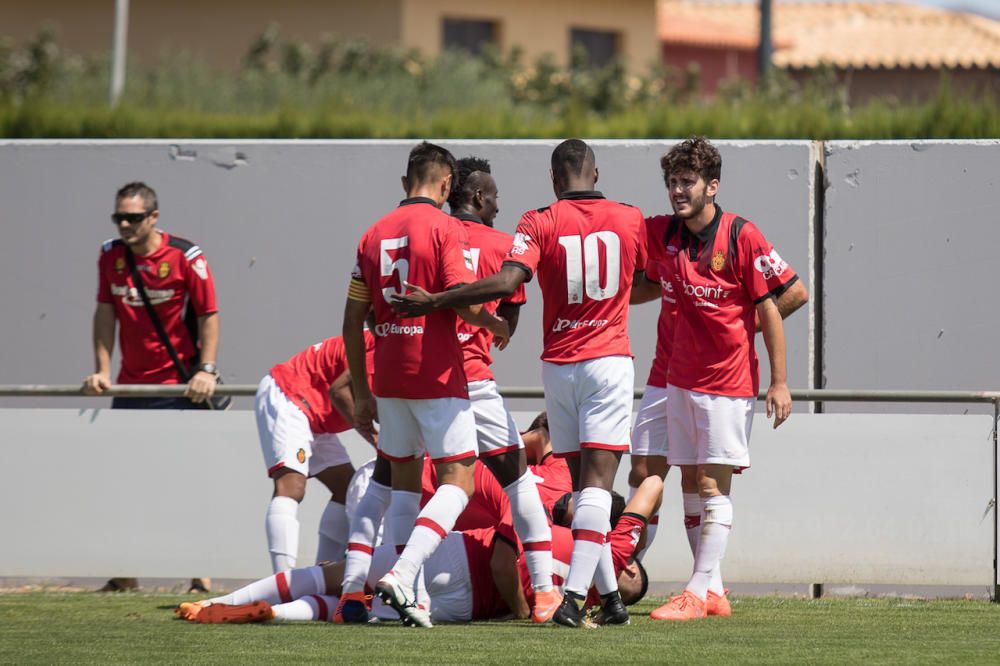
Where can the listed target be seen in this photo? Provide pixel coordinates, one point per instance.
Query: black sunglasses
(131, 218)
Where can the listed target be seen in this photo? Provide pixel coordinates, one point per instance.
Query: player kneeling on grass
(301, 405)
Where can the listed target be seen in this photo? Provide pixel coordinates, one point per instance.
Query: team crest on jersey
(200, 268)
(120, 264)
(301, 456)
(718, 260)
(163, 270)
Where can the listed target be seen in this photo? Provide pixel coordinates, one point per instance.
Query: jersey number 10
(583, 269)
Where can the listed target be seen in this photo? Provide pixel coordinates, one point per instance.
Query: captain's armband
(358, 291)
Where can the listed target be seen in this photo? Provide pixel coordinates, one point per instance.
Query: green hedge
(344, 89)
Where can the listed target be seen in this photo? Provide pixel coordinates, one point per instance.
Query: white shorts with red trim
(286, 439)
(495, 428)
(589, 404)
(444, 427)
(649, 434)
(706, 429)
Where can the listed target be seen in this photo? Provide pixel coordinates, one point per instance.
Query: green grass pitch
(48, 627)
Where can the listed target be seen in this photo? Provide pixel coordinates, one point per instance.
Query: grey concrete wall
(279, 222)
(101, 493)
(910, 280)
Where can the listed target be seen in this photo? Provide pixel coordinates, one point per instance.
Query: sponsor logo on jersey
(520, 244)
(568, 324)
(704, 294)
(770, 265)
(120, 264)
(200, 267)
(130, 295)
(668, 291)
(718, 260)
(384, 329)
(672, 249)
(301, 456)
(465, 337)
(163, 270)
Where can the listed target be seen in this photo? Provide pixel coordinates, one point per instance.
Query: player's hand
(779, 403)
(370, 436)
(201, 387)
(501, 333)
(416, 303)
(96, 384)
(365, 415)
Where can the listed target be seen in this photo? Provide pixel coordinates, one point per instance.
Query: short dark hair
(462, 187)
(695, 154)
(617, 507)
(643, 586)
(571, 156)
(541, 421)
(138, 189)
(424, 159)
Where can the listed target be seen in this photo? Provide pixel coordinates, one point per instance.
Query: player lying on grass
(474, 575)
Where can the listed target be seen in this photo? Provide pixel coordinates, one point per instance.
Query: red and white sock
(591, 523)
(432, 525)
(692, 519)
(282, 527)
(333, 530)
(363, 532)
(716, 523)
(280, 588)
(532, 527)
(604, 577)
(400, 518)
(314, 607)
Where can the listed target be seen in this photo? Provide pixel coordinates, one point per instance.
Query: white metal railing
(803, 395)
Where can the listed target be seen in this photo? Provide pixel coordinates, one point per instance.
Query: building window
(600, 46)
(468, 35)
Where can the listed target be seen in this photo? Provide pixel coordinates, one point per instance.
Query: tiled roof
(843, 34)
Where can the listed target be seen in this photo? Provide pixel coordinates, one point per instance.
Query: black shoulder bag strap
(215, 402)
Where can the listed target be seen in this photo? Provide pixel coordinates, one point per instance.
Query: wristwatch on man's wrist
(210, 368)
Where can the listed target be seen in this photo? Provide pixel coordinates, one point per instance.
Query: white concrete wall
(830, 498)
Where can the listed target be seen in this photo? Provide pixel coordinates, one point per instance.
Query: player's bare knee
(506, 467)
(291, 484)
(459, 473)
(336, 479)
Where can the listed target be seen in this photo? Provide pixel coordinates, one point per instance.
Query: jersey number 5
(583, 266)
(392, 265)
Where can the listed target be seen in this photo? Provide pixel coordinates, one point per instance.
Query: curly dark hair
(463, 188)
(695, 154)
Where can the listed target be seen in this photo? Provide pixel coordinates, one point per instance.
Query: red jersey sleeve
(103, 285)
(624, 538)
(762, 270)
(525, 249)
(519, 297)
(642, 251)
(652, 250)
(200, 285)
(455, 256)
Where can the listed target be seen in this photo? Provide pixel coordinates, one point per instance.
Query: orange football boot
(258, 611)
(546, 604)
(685, 606)
(189, 610)
(718, 604)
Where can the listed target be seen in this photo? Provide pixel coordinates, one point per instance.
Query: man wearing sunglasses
(177, 279)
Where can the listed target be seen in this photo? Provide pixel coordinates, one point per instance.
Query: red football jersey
(419, 357)
(585, 250)
(488, 247)
(174, 275)
(623, 537)
(488, 506)
(479, 543)
(656, 230)
(554, 479)
(305, 379)
(719, 276)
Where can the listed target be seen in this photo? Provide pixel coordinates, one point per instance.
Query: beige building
(221, 30)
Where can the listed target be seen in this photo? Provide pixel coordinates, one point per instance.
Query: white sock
(333, 530)
(591, 524)
(400, 518)
(280, 588)
(604, 577)
(432, 525)
(532, 529)
(363, 532)
(314, 607)
(282, 527)
(716, 524)
(692, 519)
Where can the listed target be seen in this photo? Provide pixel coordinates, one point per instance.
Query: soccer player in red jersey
(473, 201)
(585, 250)
(649, 434)
(301, 405)
(724, 275)
(423, 398)
(174, 272)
